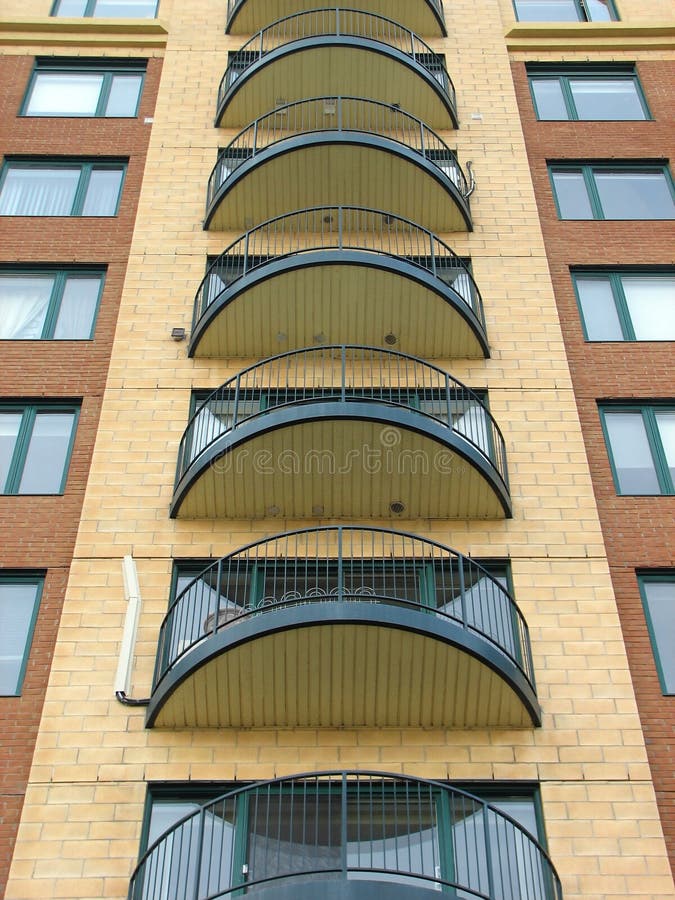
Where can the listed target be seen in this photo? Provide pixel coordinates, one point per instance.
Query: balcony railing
(337, 228)
(340, 115)
(377, 835)
(345, 565)
(348, 374)
(329, 21)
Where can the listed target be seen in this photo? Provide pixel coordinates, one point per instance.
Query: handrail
(344, 564)
(338, 825)
(336, 228)
(349, 373)
(340, 114)
(328, 21)
(233, 6)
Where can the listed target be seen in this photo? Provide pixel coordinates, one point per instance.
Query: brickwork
(639, 532)
(38, 532)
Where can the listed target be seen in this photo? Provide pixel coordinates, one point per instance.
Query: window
(19, 603)
(613, 192)
(658, 598)
(586, 94)
(641, 446)
(82, 89)
(35, 446)
(48, 304)
(60, 188)
(627, 306)
(565, 10)
(110, 9)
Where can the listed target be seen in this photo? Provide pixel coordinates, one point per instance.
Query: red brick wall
(39, 532)
(639, 532)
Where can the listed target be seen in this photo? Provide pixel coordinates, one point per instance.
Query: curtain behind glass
(17, 602)
(78, 308)
(24, 300)
(39, 191)
(103, 192)
(47, 454)
(64, 94)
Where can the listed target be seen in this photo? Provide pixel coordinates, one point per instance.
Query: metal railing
(368, 826)
(233, 6)
(344, 564)
(348, 373)
(337, 228)
(338, 114)
(332, 21)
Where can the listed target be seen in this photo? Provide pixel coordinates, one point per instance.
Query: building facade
(344, 609)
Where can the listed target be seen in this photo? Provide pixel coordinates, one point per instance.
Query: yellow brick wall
(83, 812)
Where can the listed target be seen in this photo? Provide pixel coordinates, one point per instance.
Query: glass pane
(64, 94)
(661, 603)
(606, 98)
(598, 309)
(651, 304)
(24, 300)
(125, 9)
(599, 10)
(71, 8)
(39, 192)
(103, 192)
(634, 195)
(9, 430)
(78, 308)
(573, 200)
(631, 453)
(666, 425)
(123, 99)
(17, 602)
(47, 453)
(547, 11)
(548, 95)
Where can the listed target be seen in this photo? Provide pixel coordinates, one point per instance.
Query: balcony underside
(339, 297)
(419, 16)
(338, 168)
(344, 664)
(349, 889)
(341, 459)
(336, 66)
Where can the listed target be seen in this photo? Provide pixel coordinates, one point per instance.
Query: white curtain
(78, 308)
(474, 425)
(38, 191)
(103, 192)
(23, 306)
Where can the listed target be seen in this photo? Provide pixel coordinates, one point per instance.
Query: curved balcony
(347, 151)
(344, 626)
(347, 836)
(422, 16)
(336, 51)
(338, 275)
(342, 431)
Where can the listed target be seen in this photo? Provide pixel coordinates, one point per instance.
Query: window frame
(86, 166)
(66, 66)
(17, 465)
(658, 457)
(655, 577)
(565, 73)
(614, 277)
(61, 277)
(90, 11)
(37, 578)
(588, 171)
(582, 14)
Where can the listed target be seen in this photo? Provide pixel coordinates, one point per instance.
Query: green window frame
(102, 96)
(43, 303)
(584, 191)
(113, 9)
(611, 308)
(565, 10)
(558, 93)
(70, 187)
(20, 596)
(640, 440)
(657, 590)
(36, 438)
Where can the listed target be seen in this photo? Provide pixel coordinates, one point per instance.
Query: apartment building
(344, 608)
